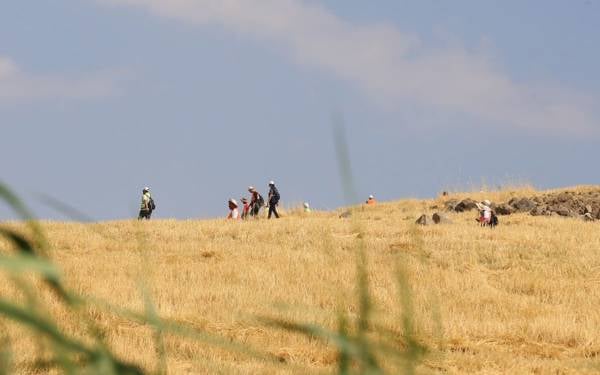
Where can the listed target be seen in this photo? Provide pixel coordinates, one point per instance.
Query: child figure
(245, 208)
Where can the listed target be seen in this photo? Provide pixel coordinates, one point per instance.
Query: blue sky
(200, 98)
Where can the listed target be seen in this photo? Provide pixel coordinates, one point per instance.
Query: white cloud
(17, 85)
(390, 66)
(7, 68)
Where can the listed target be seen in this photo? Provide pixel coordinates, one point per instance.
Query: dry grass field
(521, 298)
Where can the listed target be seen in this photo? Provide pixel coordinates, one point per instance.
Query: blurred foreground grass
(51, 327)
(304, 294)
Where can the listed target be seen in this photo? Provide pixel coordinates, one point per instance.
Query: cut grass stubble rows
(450, 298)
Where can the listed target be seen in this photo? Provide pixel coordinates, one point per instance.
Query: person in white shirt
(233, 209)
(485, 212)
(147, 205)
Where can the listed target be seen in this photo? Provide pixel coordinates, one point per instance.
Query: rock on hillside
(522, 204)
(569, 203)
(565, 203)
(504, 209)
(436, 218)
(461, 206)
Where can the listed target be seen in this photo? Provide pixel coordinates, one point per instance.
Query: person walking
(256, 201)
(147, 205)
(273, 199)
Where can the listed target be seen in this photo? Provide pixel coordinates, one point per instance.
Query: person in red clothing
(371, 200)
(245, 208)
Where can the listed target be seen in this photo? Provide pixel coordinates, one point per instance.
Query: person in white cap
(233, 209)
(306, 207)
(147, 205)
(256, 201)
(273, 199)
(485, 212)
(371, 200)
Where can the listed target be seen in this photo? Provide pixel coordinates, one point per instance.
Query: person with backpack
(147, 205)
(487, 216)
(256, 201)
(273, 199)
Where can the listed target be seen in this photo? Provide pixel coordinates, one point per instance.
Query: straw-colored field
(522, 298)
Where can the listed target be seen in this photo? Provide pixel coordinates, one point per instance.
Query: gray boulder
(450, 205)
(504, 209)
(563, 211)
(540, 210)
(523, 204)
(440, 219)
(465, 205)
(423, 220)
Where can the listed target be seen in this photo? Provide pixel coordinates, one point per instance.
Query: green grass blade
(27, 263)
(40, 325)
(25, 214)
(344, 360)
(184, 331)
(6, 364)
(154, 320)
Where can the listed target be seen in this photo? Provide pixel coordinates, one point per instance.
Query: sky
(198, 99)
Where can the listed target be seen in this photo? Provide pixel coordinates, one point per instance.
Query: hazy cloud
(390, 66)
(17, 85)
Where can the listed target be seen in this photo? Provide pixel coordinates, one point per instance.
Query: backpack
(274, 196)
(151, 205)
(494, 220)
(260, 200)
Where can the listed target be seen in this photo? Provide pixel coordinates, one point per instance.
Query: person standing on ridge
(245, 208)
(147, 205)
(371, 200)
(256, 202)
(273, 199)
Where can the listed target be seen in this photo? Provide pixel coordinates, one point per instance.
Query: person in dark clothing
(273, 199)
(147, 205)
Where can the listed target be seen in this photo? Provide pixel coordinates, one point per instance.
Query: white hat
(233, 201)
(371, 196)
(271, 182)
(146, 188)
(250, 188)
(486, 202)
(306, 204)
